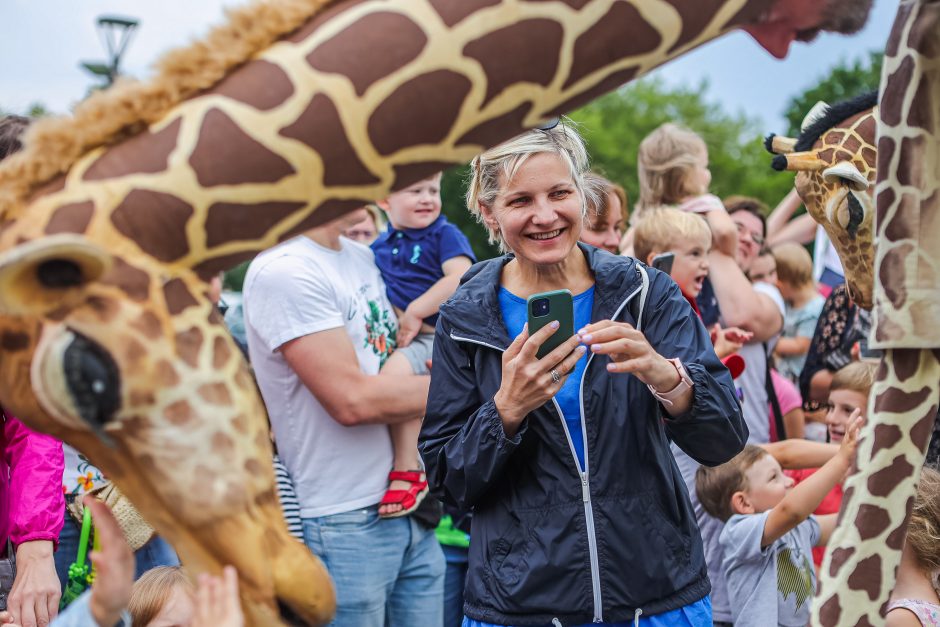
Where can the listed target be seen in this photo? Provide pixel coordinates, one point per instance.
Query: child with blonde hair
(915, 601)
(804, 304)
(163, 596)
(688, 237)
(673, 170)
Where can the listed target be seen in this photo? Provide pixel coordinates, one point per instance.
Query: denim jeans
(157, 552)
(387, 571)
(454, 581)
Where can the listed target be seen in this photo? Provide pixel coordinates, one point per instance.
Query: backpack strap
(636, 306)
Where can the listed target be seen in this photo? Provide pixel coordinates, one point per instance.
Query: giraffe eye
(847, 174)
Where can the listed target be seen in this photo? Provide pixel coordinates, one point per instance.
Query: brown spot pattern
(321, 128)
(253, 467)
(696, 14)
(867, 576)
(408, 173)
(71, 218)
(227, 222)
(923, 428)
(142, 397)
(222, 443)
(895, 539)
(910, 161)
(886, 436)
(165, 374)
(178, 296)
(871, 521)
(259, 84)
(830, 612)
(604, 44)
(454, 11)
(208, 268)
(134, 351)
(616, 79)
(220, 135)
(188, 344)
(215, 393)
(921, 114)
(852, 144)
(897, 400)
(323, 213)
(903, 224)
(839, 557)
(422, 111)
(221, 352)
(240, 424)
(178, 413)
(493, 131)
(148, 324)
(511, 55)
(833, 138)
(401, 41)
(147, 153)
(131, 280)
(893, 275)
(105, 308)
(12, 341)
(826, 155)
(156, 221)
(882, 482)
(906, 363)
(892, 98)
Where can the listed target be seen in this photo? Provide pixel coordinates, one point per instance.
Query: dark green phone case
(560, 308)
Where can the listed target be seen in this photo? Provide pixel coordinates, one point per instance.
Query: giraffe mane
(834, 114)
(52, 145)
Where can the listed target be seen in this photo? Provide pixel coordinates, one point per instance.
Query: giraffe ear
(43, 275)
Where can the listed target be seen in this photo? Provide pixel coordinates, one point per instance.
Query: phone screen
(546, 307)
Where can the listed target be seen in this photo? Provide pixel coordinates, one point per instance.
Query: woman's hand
(34, 599)
(528, 381)
(629, 351)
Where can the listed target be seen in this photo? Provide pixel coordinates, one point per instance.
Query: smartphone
(546, 307)
(663, 262)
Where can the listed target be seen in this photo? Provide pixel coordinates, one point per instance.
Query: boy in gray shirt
(769, 531)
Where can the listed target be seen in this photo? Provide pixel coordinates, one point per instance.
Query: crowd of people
(678, 460)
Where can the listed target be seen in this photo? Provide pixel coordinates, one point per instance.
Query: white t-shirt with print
(751, 382)
(300, 288)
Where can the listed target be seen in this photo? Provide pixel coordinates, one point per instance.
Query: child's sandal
(408, 499)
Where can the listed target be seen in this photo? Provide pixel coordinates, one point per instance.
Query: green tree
(846, 80)
(615, 124)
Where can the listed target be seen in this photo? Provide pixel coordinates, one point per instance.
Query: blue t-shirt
(568, 397)
(410, 260)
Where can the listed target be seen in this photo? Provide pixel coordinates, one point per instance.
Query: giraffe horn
(779, 145)
(798, 162)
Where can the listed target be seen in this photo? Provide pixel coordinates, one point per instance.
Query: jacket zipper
(585, 474)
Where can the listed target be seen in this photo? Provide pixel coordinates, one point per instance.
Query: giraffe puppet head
(835, 160)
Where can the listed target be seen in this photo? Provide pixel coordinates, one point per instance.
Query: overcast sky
(41, 42)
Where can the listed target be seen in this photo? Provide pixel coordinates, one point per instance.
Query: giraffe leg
(861, 562)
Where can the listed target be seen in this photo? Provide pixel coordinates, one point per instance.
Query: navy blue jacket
(547, 540)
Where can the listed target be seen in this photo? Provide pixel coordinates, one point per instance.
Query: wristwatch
(685, 383)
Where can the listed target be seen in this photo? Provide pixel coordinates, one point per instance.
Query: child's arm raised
(800, 502)
(724, 231)
(430, 302)
(795, 453)
(789, 346)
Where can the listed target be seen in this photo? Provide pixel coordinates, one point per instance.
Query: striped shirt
(288, 498)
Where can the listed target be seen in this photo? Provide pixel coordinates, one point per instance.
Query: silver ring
(555, 376)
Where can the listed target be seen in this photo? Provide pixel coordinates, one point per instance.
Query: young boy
(421, 257)
(848, 393)
(689, 238)
(769, 530)
(804, 304)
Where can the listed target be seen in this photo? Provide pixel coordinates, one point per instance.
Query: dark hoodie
(549, 541)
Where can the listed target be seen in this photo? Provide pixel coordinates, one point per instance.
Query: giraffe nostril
(93, 381)
(59, 273)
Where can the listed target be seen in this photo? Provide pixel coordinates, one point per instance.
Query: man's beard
(845, 16)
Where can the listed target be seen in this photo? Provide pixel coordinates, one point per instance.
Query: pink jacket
(32, 504)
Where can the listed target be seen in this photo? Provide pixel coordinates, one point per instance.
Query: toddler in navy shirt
(421, 257)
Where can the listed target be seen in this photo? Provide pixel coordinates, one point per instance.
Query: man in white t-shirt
(757, 308)
(319, 327)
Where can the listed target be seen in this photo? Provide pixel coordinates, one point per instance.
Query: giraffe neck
(364, 99)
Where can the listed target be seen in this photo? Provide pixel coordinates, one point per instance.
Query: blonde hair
(665, 160)
(497, 166)
(716, 485)
(794, 264)
(151, 592)
(662, 228)
(598, 209)
(858, 376)
(923, 531)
